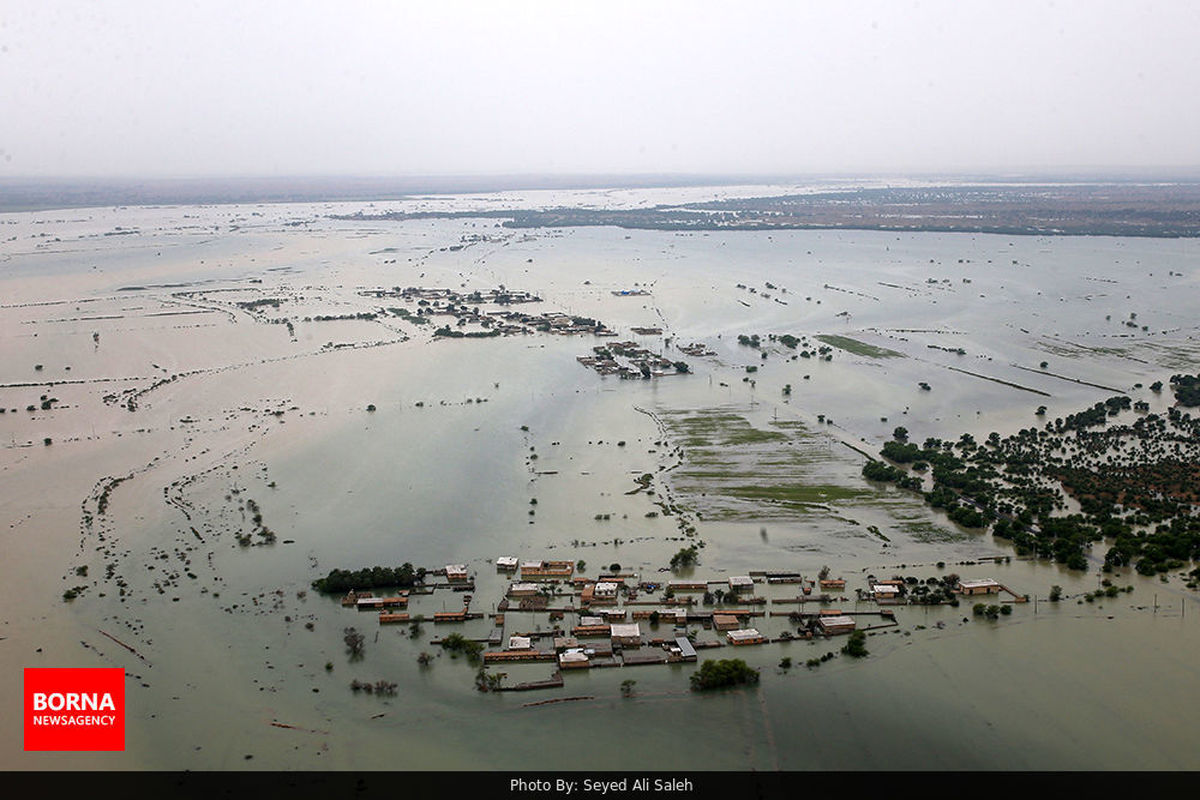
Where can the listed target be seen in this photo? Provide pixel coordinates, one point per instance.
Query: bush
(455, 643)
(856, 647)
(726, 672)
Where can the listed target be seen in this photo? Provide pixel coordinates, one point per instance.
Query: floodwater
(234, 662)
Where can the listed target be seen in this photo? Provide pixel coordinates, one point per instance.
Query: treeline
(1137, 484)
(343, 580)
(1187, 389)
(449, 332)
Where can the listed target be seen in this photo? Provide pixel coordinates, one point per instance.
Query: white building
(745, 636)
(626, 634)
(741, 583)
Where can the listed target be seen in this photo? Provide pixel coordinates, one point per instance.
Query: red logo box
(74, 709)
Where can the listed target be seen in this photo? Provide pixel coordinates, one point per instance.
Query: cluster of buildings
(629, 360)
(466, 309)
(617, 618)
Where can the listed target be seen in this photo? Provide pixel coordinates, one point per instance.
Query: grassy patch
(928, 532)
(717, 429)
(1172, 356)
(796, 493)
(735, 471)
(857, 347)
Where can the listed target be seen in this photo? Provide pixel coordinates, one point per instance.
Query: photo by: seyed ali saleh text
(564, 786)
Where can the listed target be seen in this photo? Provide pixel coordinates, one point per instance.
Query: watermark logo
(74, 709)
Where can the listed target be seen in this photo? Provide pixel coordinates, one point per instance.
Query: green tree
(726, 672)
(856, 646)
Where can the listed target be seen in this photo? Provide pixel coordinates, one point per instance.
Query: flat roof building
(627, 634)
(745, 636)
(741, 583)
(725, 622)
(979, 586)
(839, 624)
(573, 659)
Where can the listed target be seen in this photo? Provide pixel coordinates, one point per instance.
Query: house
(610, 614)
(686, 652)
(547, 569)
(522, 589)
(832, 625)
(979, 586)
(372, 603)
(745, 636)
(626, 634)
(725, 622)
(456, 573)
(675, 615)
(885, 593)
(591, 626)
(573, 659)
(687, 586)
(832, 583)
(506, 563)
(741, 583)
(520, 643)
(597, 629)
(605, 590)
(352, 597)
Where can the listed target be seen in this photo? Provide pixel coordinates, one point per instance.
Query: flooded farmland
(208, 408)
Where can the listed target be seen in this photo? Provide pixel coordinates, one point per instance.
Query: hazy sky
(175, 88)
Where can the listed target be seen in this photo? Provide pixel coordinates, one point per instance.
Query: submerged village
(614, 456)
(623, 619)
(551, 614)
